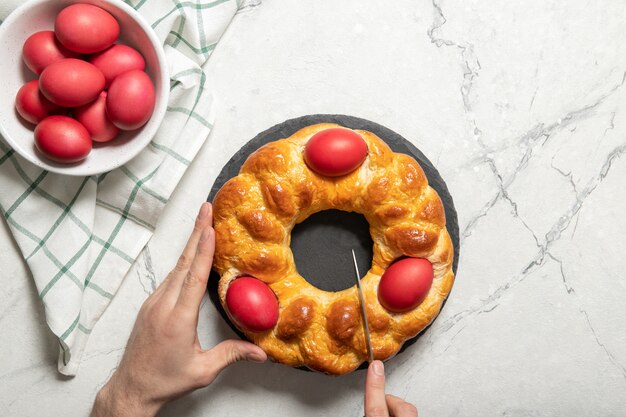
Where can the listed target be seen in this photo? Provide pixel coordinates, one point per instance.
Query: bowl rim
(153, 124)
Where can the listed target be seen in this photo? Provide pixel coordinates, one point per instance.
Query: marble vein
(101, 353)
(145, 272)
(528, 140)
(608, 353)
(553, 235)
(25, 369)
(248, 5)
(610, 127)
(469, 62)
(568, 175)
(571, 291)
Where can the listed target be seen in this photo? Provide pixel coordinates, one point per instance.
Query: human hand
(163, 358)
(377, 404)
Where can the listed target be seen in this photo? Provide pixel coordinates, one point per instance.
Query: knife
(366, 329)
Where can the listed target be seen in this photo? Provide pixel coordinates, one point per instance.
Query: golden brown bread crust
(255, 212)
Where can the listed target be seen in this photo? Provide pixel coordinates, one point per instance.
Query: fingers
(400, 408)
(195, 282)
(226, 353)
(176, 278)
(375, 402)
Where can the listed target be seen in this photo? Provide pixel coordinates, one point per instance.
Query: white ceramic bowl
(36, 15)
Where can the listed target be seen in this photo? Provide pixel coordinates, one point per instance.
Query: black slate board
(321, 244)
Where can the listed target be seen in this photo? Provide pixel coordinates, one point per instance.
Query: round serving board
(322, 243)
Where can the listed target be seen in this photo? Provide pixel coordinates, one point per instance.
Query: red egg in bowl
(63, 139)
(42, 49)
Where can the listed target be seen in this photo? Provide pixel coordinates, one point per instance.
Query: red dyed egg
(32, 105)
(86, 28)
(93, 116)
(335, 152)
(252, 304)
(42, 49)
(117, 60)
(405, 284)
(62, 139)
(71, 82)
(130, 100)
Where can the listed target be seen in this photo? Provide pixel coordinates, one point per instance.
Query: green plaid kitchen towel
(80, 235)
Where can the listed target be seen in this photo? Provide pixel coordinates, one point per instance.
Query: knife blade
(366, 329)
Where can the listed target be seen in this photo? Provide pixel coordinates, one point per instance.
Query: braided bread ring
(255, 212)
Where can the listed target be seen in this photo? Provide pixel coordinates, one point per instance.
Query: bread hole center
(322, 248)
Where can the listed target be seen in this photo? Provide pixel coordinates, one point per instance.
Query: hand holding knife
(375, 398)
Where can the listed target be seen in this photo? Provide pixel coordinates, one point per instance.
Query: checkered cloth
(80, 235)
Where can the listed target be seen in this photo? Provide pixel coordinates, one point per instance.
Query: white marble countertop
(522, 107)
